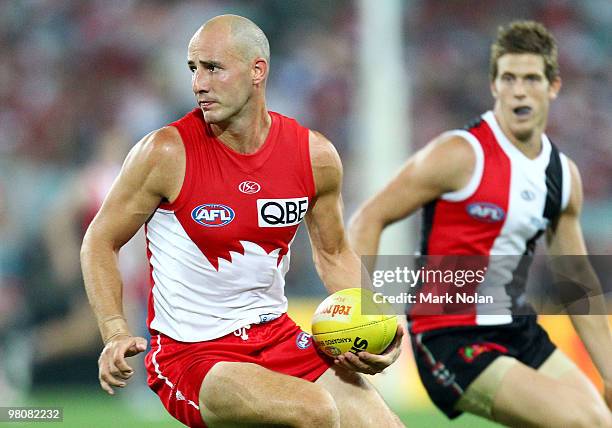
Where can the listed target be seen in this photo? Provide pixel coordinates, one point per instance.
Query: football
(344, 322)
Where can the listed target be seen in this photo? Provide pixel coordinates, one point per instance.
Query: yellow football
(344, 322)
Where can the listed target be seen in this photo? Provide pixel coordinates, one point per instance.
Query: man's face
(221, 80)
(523, 93)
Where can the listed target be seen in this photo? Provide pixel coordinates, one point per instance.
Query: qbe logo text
(281, 212)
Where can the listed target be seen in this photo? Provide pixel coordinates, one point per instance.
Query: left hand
(371, 364)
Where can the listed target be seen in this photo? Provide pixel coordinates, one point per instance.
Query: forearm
(103, 285)
(364, 235)
(339, 270)
(593, 327)
(594, 331)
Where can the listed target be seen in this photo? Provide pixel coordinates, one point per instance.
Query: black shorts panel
(450, 359)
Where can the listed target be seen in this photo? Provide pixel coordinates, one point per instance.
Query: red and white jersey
(505, 207)
(219, 253)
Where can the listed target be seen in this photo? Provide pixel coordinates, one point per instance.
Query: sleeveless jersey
(219, 253)
(505, 207)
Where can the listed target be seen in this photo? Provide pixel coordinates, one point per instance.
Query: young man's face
(221, 81)
(522, 94)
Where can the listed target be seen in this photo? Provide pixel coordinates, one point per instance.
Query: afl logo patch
(303, 340)
(249, 187)
(213, 215)
(486, 211)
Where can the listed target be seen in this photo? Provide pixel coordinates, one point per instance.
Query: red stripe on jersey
(467, 227)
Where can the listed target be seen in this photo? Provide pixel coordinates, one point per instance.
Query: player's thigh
(528, 398)
(239, 394)
(358, 402)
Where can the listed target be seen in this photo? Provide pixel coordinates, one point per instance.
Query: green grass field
(91, 408)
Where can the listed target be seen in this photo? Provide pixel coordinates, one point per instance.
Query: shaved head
(248, 39)
(229, 59)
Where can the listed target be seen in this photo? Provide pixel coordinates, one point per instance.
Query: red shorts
(175, 370)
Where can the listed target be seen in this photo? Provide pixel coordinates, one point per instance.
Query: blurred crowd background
(81, 81)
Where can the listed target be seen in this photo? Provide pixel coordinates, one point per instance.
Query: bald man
(221, 193)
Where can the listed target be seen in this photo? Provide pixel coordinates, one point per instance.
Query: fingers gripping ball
(344, 322)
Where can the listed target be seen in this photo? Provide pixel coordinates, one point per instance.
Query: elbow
(366, 217)
(356, 226)
(363, 225)
(86, 245)
(95, 244)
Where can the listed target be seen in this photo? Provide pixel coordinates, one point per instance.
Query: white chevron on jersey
(193, 301)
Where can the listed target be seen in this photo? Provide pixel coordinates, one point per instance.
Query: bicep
(409, 190)
(445, 165)
(145, 179)
(324, 221)
(125, 209)
(565, 236)
(325, 224)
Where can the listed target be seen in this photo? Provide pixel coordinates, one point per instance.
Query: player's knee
(318, 409)
(598, 416)
(590, 414)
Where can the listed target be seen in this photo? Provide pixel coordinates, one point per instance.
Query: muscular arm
(566, 240)
(152, 172)
(337, 265)
(444, 165)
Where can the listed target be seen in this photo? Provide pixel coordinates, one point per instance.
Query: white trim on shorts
(179, 395)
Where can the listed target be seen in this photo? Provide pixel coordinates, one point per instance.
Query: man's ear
(555, 87)
(260, 71)
(493, 89)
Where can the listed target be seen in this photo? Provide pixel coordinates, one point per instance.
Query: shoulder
(573, 168)
(159, 160)
(447, 162)
(574, 205)
(322, 151)
(159, 147)
(457, 146)
(326, 163)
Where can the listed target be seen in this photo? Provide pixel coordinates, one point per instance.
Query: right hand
(371, 364)
(113, 369)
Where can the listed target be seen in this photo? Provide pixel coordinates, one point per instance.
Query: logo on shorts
(470, 352)
(443, 375)
(267, 317)
(249, 187)
(213, 215)
(486, 211)
(303, 340)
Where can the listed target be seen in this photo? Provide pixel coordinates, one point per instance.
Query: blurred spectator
(73, 209)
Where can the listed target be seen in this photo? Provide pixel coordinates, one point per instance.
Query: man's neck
(530, 147)
(245, 133)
